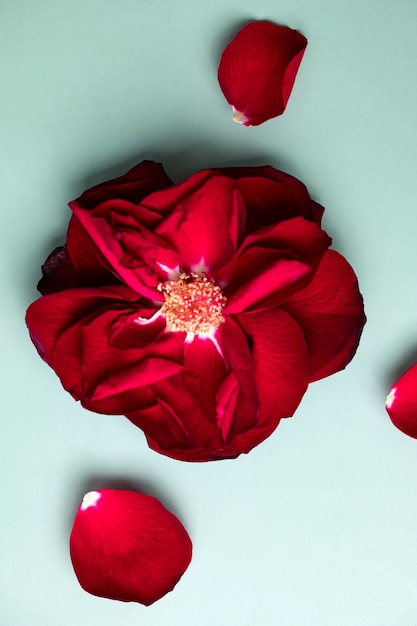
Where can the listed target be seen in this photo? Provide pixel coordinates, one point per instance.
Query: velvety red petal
(108, 370)
(261, 276)
(238, 411)
(280, 361)
(134, 330)
(227, 399)
(227, 403)
(107, 379)
(50, 315)
(127, 546)
(267, 361)
(204, 371)
(164, 202)
(132, 250)
(77, 264)
(330, 312)
(90, 266)
(273, 263)
(212, 218)
(318, 212)
(277, 365)
(176, 399)
(163, 427)
(270, 195)
(258, 68)
(244, 442)
(140, 181)
(82, 335)
(401, 403)
(58, 272)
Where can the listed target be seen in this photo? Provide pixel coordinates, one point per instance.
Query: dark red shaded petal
(164, 202)
(304, 240)
(50, 315)
(104, 372)
(318, 212)
(237, 399)
(204, 371)
(244, 442)
(131, 330)
(199, 431)
(90, 266)
(161, 426)
(273, 263)
(267, 361)
(280, 362)
(401, 403)
(80, 334)
(143, 179)
(58, 272)
(77, 264)
(254, 286)
(330, 312)
(258, 68)
(208, 225)
(190, 431)
(131, 249)
(270, 195)
(127, 546)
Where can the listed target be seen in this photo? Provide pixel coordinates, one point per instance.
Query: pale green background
(318, 525)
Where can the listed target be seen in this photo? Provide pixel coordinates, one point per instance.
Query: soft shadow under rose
(200, 310)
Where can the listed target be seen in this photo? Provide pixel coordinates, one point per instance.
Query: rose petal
(264, 385)
(50, 315)
(303, 239)
(126, 546)
(91, 267)
(58, 272)
(80, 334)
(175, 398)
(235, 347)
(134, 252)
(107, 372)
(143, 179)
(204, 371)
(77, 264)
(401, 403)
(204, 229)
(210, 228)
(257, 70)
(270, 195)
(330, 312)
(280, 361)
(273, 263)
(261, 276)
(178, 428)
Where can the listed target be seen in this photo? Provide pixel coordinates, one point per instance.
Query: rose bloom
(200, 310)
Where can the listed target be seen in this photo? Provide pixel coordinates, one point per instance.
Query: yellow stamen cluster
(193, 304)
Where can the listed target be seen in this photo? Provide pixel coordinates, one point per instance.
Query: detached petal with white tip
(401, 402)
(126, 546)
(257, 70)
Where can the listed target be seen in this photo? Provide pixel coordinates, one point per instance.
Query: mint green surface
(318, 525)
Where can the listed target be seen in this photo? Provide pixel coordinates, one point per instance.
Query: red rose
(201, 310)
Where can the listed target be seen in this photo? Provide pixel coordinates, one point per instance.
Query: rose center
(193, 304)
